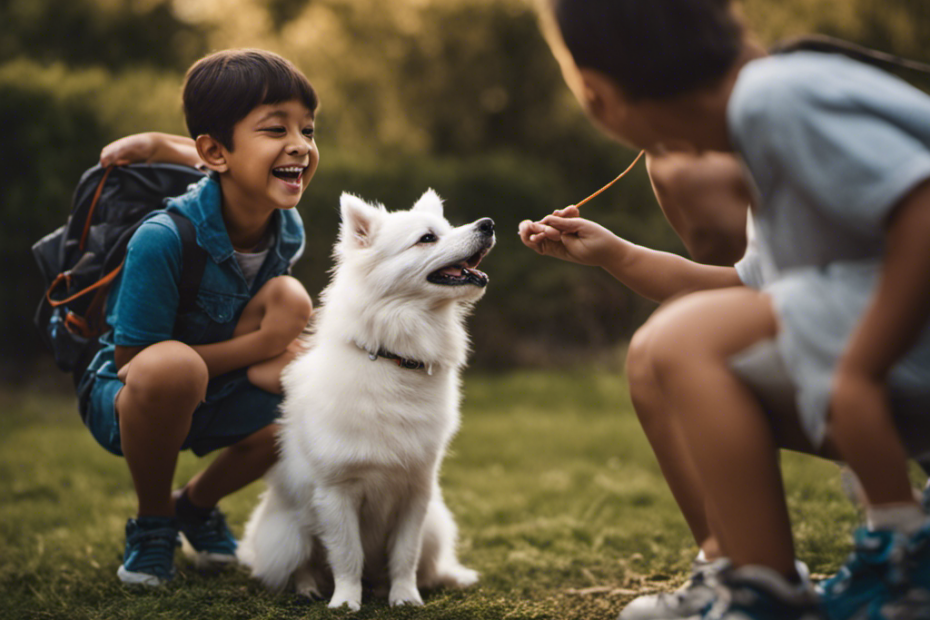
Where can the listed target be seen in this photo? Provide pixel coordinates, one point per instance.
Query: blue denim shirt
(143, 301)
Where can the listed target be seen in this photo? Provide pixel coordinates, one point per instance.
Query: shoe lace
(857, 567)
(154, 549)
(213, 529)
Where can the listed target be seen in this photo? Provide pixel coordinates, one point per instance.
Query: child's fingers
(534, 235)
(569, 211)
(527, 228)
(530, 234)
(563, 224)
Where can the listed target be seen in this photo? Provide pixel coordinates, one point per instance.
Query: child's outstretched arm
(653, 274)
(151, 146)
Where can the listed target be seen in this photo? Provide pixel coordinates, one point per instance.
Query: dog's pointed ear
(429, 202)
(359, 220)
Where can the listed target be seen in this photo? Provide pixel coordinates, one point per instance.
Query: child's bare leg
(237, 466)
(663, 430)
(730, 437)
(164, 384)
(865, 436)
(284, 306)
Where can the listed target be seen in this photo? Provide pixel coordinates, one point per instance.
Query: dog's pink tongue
(453, 271)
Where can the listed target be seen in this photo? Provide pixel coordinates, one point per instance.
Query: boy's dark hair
(653, 49)
(222, 88)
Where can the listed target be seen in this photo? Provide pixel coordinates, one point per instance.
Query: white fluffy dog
(369, 410)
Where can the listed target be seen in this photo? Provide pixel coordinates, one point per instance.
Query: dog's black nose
(485, 226)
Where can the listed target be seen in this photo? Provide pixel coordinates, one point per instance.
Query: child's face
(274, 156)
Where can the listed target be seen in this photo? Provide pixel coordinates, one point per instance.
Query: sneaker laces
(212, 530)
(154, 549)
(857, 565)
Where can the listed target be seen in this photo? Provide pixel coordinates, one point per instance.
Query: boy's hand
(569, 237)
(137, 148)
(151, 146)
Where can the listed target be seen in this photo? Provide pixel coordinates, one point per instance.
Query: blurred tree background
(459, 95)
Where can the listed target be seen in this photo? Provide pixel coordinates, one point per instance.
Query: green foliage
(112, 33)
(560, 505)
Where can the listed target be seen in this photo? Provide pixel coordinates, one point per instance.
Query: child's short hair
(653, 49)
(222, 88)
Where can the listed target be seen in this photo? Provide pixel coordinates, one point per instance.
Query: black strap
(193, 262)
(832, 45)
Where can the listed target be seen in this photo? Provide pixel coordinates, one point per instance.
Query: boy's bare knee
(706, 329)
(168, 373)
(289, 293)
(289, 305)
(639, 370)
(645, 392)
(671, 341)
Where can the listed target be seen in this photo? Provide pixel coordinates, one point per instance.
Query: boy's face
(274, 157)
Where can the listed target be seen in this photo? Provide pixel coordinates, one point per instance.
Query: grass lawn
(559, 500)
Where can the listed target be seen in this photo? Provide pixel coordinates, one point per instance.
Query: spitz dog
(368, 411)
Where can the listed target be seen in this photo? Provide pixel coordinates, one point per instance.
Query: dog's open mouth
(462, 272)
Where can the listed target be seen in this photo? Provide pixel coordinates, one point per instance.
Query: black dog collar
(401, 361)
(397, 359)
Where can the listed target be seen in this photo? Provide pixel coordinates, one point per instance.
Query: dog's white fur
(355, 493)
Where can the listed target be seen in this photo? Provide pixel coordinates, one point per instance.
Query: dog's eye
(428, 238)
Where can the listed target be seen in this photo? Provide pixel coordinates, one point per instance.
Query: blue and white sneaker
(910, 598)
(759, 593)
(149, 555)
(211, 541)
(867, 577)
(693, 598)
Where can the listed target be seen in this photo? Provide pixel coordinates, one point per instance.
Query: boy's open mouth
(462, 271)
(290, 174)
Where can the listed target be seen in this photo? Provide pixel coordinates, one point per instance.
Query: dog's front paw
(403, 594)
(353, 605)
(351, 596)
(461, 577)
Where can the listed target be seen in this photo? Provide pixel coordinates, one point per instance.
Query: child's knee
(639, 364)
(707, 329)
(645, 391)
(167, 373)
(286, 294)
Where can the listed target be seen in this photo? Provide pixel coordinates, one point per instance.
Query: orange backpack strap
(93, 206)
(66, 278)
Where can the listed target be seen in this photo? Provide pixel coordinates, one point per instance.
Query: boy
(207, 379)
(845, 229)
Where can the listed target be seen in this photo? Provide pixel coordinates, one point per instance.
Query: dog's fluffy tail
(273, 545)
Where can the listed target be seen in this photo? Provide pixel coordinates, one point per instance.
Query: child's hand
(569, 237)
(137, 148)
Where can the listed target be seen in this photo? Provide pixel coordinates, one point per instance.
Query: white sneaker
(689, 600)
(692, 598)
